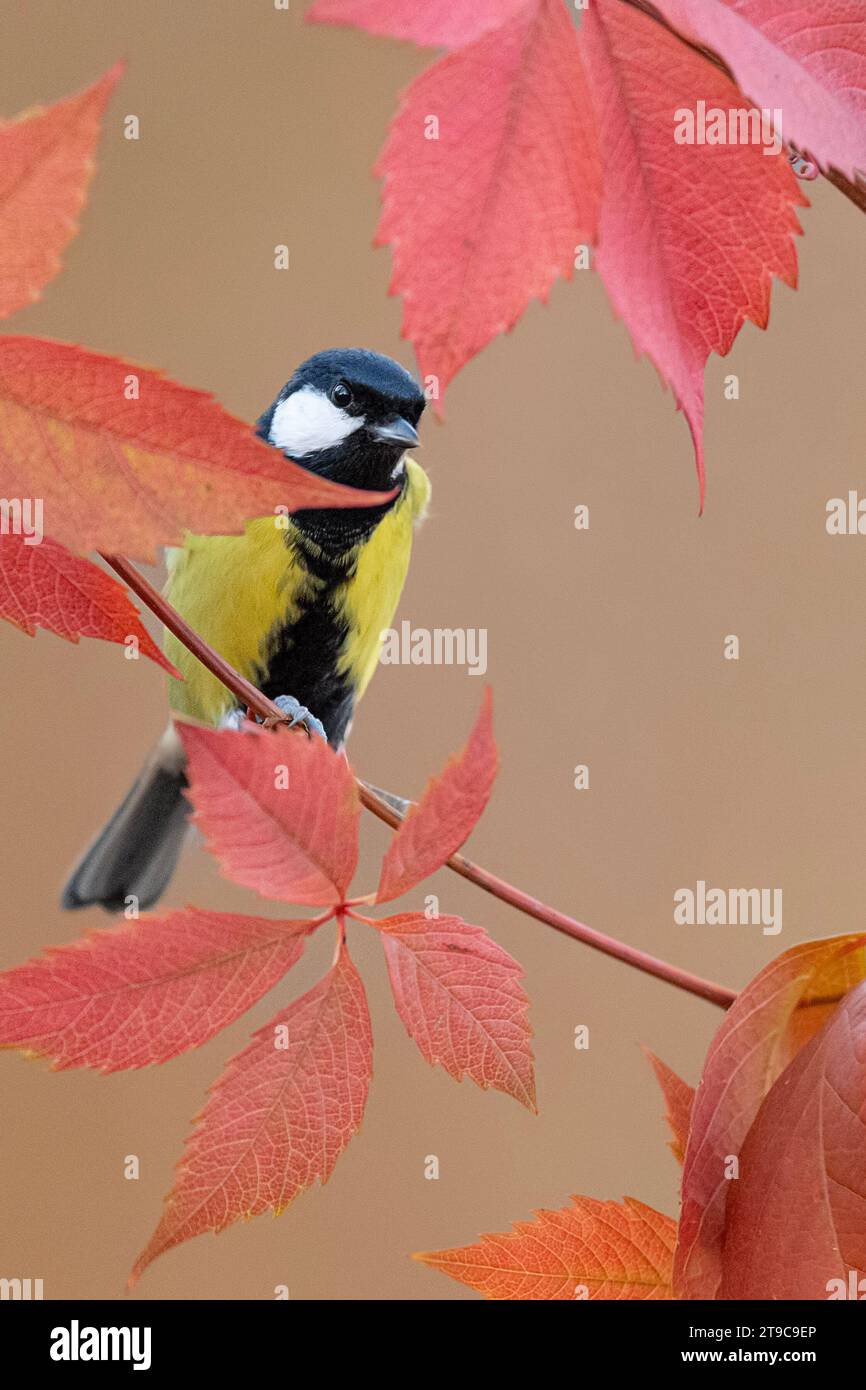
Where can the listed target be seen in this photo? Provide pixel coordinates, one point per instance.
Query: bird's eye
(341, 395)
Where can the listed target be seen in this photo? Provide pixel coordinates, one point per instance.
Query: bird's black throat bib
(337, 531)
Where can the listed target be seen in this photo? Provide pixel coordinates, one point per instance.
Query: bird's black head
(349, 415)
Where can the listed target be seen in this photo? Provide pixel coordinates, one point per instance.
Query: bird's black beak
(396, 431)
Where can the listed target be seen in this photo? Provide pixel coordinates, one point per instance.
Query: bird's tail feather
(135, 854)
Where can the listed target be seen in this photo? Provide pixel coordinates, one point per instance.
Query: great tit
(297, 604)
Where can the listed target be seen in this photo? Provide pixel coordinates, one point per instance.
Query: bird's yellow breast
(238, 591)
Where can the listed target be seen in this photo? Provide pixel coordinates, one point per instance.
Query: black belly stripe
(303, 655)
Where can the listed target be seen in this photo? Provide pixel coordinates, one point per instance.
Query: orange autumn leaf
(680, 1098)
(280, 811)
(46, 586)
(486, 216)
(460, 998)
(773, 1018)
(805, 60)
(46, 164)
(279, 1116)
(796, 1217)
(690, 235)
(533, 140)
(446, 814)
(144, 991)
(590, 1250)
(126, 460)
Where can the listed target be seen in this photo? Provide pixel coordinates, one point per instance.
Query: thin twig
(387, 810)
(855, 192)
(569, 926)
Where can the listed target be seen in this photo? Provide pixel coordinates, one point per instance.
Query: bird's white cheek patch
(308, 421)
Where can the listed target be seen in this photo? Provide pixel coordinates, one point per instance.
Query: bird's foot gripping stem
(294, 714)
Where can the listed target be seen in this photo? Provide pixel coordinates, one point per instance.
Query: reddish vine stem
(249, 696)
(853, 191)
(569, 926)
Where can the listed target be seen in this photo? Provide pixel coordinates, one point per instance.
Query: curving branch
(392, 810)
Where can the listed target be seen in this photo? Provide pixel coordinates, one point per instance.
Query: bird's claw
(294, 714)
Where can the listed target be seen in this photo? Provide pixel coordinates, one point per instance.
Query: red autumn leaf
(484, 213)
(796, 1215)
(770, 1021)
(807, 61)
(279, 810)
(460, 997)
(435, 23)
(278, 1118)
(45, 585)
(46, 164)
(128, 475)
(591, 1250)
(680, 1098)
(144, 991)
(690, 235)
(446, 815)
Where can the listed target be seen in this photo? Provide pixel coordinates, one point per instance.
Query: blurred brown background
(605, 648)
